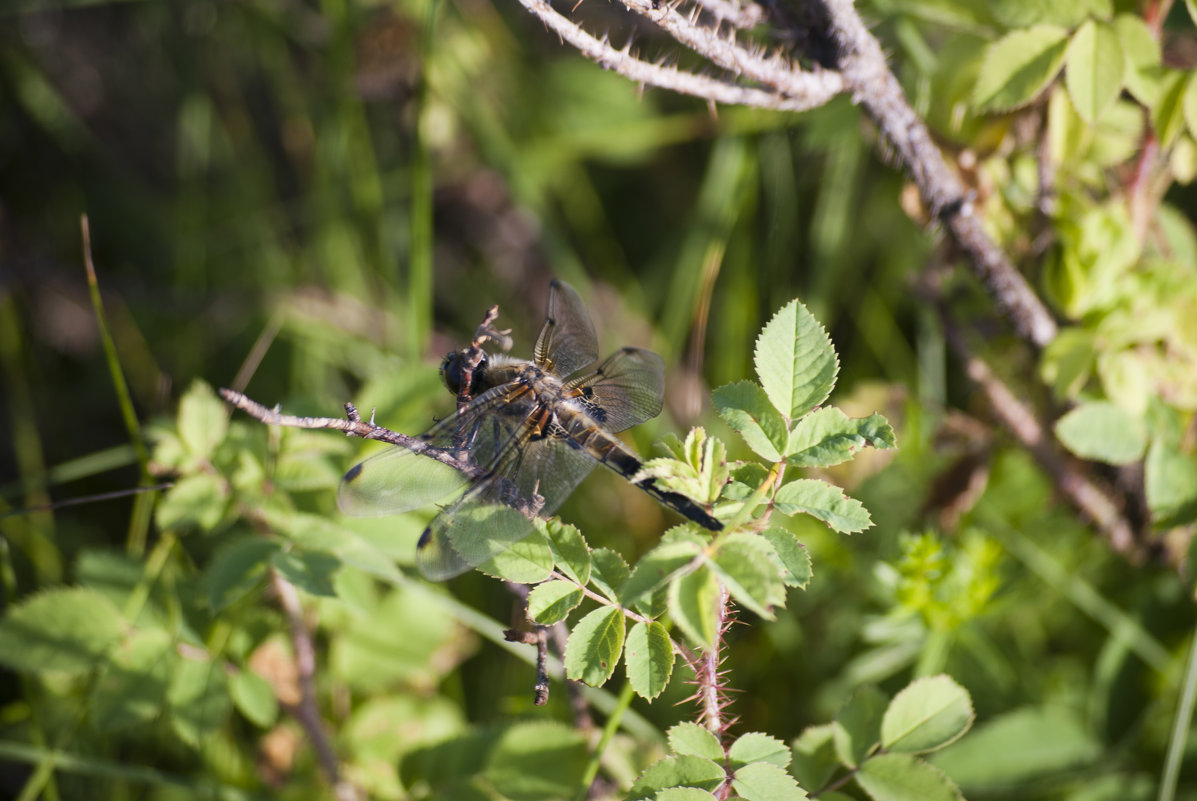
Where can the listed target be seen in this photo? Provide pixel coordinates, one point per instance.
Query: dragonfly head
(452, 369)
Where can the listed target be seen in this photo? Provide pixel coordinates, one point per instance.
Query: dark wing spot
(353, 473)
(425, 538)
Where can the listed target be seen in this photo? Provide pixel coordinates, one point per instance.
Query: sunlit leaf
(926, 715)
(761, 781)
(827, 437)
(790, 555)
(690, 738)
(1019, 66)
(758, 747)
(203, 420)
(553, 601)
(1103, 432)
(60, 629)
(677, 771)
(693, 605)
(570, 551)
(825, 502)
(594, 646)
(901, 777)
(743, 563)
(746, 408)
(795, 361)
(1094, 70)
(648, 656)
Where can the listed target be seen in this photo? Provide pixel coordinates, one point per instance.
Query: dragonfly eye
(451, 371)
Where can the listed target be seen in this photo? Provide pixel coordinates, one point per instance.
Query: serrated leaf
(684, 794)
(1167, 115)
(928, 714)
(758, 747)
(690, 738)
(310, 571)
(1103, 432)
(743, 563)
(1139, 45)
(594, 646)
(693, 605)
(553, 601)
(1017, 67)
(132, 688)
(570, 551)
(526, 561)
(608, 572)
(790, 555)
(203, 420)
(67, 629)
(745, 407)
(648, 656)
(1095, 64)
(825, 502)
(677, 771)
(858, 725)
(761, 781)
(795, 361)
(194, 502)
(236, 569)
(827, 437)
(254, 698)
(901, 777)
(657, 567)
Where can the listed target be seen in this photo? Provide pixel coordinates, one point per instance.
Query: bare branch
(354, 426)
(873, 85)
(808, 89)
(815, 94)
(741, 15)
(307, 712)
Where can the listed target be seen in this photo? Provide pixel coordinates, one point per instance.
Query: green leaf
(657, 567)
(1170, 480)
(825, 502)
(310, 571)
(858, 725)
(901, 777)
(203, 420)
(236, 569)
(677, 771)
(537, 760)
(761, 781)
(827, 437)
(529, 560)
(1167, 115)
(699, 471)
(1019, 66)
(1066, 13)
(254, 698)
(648, 657)
(927, 715)
(1103, 432)
(1067, 362)
(1191, 5)
(790, 555)
(553, 601)
(1095, 64)
(745, 407)
(1189, 104)
(570, 551)
(693, 605)
(758, 747)
(1020, 748)
(1143, 56)
(608, 572)
(199, 699)
(61, 629)
(795, 361)
(684, 794)
(194, 502)
(132, 688)
(743, 563)
(594, 646)
(814, 760)
(690, 738)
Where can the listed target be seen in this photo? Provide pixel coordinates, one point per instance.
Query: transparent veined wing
(625, 390)
(567, 341)
(401, 479)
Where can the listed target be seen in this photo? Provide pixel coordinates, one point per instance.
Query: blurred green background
(299, 198)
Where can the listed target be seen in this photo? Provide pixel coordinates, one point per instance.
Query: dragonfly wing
(625, 390)
(402, 479)
(567, 341)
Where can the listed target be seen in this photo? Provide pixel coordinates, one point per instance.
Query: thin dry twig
(811, 91)
(306, 712)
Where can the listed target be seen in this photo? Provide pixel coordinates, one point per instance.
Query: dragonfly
(524, 435)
